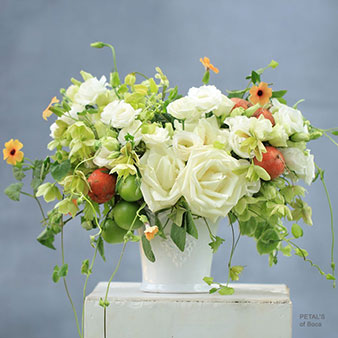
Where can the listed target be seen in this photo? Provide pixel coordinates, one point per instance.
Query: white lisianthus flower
(159, 137)
(160, 168)
(184, 109)
(90, 90)
(241, 127)
(291, 119)
(71, 92)
(119, 114)
(133, 129)
(184, 142)
(209, 184)
(278, 136)
(68, 117)
(300, 162)
(206, 98)
(208, 130)
(225, 106)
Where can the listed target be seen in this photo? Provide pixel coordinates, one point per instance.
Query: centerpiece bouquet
(135, 154)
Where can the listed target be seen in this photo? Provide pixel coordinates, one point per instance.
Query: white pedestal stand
(254, 311)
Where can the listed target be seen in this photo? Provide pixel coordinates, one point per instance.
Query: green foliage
(60, 170)
(216, 243)
(178, 235)
(147, 249)
(59, 272)
(13, 191)
(18, 173)
(190, 224)
(268, 241)
(46, 238)
(85, 267)
(100, 247)
(235, 271)
(49, 192)
(296, 230)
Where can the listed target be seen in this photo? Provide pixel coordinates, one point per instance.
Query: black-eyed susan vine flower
(260, 94)
(12, 152)
(47, 112)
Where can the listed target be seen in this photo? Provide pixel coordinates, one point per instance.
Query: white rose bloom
(302, 163)
(90, 90)
(119, 114)
(184, 109)
(209, 184)
(206, 98)
(208, 130)
(184, 142)
(225, 106)
(158, 138)
(134, 129)
(160, 169)
(260, 128)
(291, 119)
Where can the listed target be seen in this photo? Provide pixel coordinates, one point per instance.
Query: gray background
(43, 43)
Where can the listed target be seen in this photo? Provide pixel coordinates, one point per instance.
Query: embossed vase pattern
(175, 271)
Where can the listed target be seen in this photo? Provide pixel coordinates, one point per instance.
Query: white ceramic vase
(175, 271)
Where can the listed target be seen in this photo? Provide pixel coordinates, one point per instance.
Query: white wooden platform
(254, 311)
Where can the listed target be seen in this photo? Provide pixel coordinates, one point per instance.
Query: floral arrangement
(126, 152)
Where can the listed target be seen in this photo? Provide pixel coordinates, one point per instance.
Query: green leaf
(85, 267)
(268, 241)
(160, 226)
(296, 230)
(60, 170)
(40, 171)
(147, 249)
(255, 77)
(286, 250)
(206, 77)
(262, 173)
(330, 277)
(56, 276)
(248, 228)
(208, 280)
(301, 252)
(216, 243)
(278, 93)
(100, 247)
(273, 64)
(13, 191)
(115, 79)
(281, 100)
(226, 291)
(63, 270)
(213, 290)
(46, 238)
(335, 132)
(18, 173)
(235, 271)
(236, 93)
(190, 225)
(178, 235)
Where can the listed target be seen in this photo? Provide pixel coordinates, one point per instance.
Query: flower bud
(300, 137)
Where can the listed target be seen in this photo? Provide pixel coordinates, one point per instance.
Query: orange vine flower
(12, 152)
(46, 113)
(150, 232)
(260, 94)
(206, 63)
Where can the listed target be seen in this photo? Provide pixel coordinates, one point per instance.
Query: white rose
(90, 90)
(160, 169)
(133, 129)
(225, 106)
(184, 142)
(291, 119)
(241, 127)
(209, 184)
(184, 109)
(208, 130)
(159, 137)
(302, 163)
(119, 114)
(206, 98)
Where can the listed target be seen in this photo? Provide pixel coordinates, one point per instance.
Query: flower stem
(233, 247)
(38, 202)
(66, 287)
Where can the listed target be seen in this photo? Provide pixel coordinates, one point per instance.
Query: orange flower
(206, 63)
(260, 94)
(150, 232)
(12, 152)
(46, 113)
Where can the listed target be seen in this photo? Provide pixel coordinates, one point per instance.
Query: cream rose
(184, 142)
(184, 109)
(225, 106)
(291, 119)
(160, 169)
(90, 90)
(159, 137)
(119, 114)
(209, 184)
(300, 162)
(206, 98)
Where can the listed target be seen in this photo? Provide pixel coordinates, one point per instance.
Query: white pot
(175, 271)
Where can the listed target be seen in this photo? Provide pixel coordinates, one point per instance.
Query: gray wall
(43, 43)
